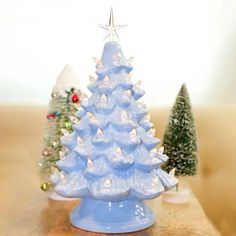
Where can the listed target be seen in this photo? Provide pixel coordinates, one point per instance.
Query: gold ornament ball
(54, 95)
(45, 186)
(45, 152)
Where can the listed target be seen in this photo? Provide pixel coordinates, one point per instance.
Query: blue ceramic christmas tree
(113, 164)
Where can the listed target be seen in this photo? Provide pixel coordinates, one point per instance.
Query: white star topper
(111, 28)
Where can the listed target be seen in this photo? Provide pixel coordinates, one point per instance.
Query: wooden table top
(47, 217)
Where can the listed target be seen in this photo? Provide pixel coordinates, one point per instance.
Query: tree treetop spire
(183, 88)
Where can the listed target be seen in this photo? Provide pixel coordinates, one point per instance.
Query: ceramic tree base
(56, 197)
(112, 217)
(178, 197)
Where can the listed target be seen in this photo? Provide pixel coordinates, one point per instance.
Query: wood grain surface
(42, 216)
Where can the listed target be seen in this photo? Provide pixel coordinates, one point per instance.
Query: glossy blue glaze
(113, 164)
(112, 217)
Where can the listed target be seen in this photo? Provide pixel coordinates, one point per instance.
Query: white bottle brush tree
(61, 116)
(180, 141)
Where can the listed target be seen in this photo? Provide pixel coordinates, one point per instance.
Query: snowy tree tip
(66, 80)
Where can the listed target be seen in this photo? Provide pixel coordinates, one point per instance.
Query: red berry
(50, 116)
(75, 98)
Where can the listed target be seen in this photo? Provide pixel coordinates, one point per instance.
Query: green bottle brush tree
(180, 140)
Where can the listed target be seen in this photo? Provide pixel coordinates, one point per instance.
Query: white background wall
(172, 42)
